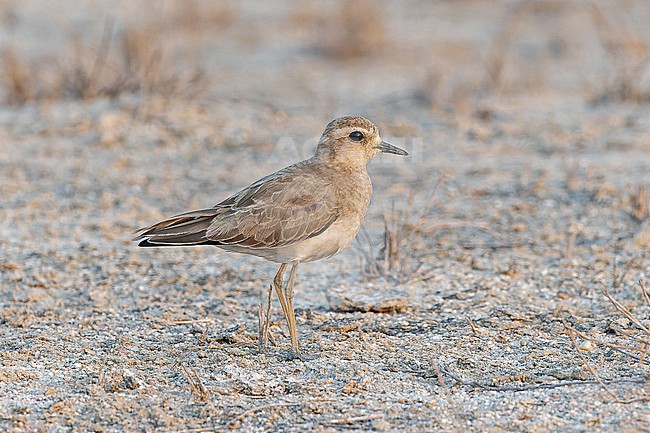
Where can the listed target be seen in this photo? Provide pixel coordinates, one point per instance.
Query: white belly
(329, 243)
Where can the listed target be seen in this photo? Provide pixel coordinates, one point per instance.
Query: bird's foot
(298, 354)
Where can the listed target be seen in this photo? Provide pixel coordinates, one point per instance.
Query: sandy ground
(527, 202)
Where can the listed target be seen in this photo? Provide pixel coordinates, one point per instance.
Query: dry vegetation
(629, 335)
(628, 62)
(400, 257)
(137, 58)
(402, 237)
(130, 62)
(352, 30)
(500, 299)
(461, 77)
(126, 57)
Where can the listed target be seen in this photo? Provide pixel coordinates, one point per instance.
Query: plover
(307, 211)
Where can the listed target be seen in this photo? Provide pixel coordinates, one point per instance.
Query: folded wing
(286, 207)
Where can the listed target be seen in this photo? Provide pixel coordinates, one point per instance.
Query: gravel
(521, 217)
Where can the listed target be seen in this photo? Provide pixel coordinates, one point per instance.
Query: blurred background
(438, 58)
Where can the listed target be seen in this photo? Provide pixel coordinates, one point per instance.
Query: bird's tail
(189, 228)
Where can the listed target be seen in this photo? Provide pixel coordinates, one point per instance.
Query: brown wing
(288, 206)
(185, 229)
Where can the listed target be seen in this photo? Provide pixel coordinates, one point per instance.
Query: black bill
(389, 148)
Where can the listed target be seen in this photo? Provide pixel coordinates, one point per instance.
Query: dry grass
(501, 48)
(353, 30)
(405, 231)
(264, 321)
(628, 62)
(632, 333)
(199, 391)
(462, 76)
(133, 61)
(627, 55)
(572, 332)
(129, 58)
(639, 198)
(403, 234)
(19, 79)
(455, 79)
(393, 260)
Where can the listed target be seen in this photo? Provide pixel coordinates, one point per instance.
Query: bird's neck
(343, 162)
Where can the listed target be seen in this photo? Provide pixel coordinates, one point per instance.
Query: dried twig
(471, 324)
(640, 200)
(252, 410)
(369, 255)
(501, 46)
(617, 347)
(619, 277)
(167, 322)
(623, 310)
(400, 237)
(18, 75)
(454, 409)
(592, 370)
(644, 291)
(190, 321)
(644, 342)
(198, 389)
(95, 73)
(521, 388)
(572, 236)
(354, 419)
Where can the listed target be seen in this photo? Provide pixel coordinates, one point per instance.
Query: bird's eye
(356, 136)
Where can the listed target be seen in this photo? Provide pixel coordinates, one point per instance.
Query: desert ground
(501, 279)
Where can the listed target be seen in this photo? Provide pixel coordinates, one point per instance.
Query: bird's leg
(291, 317)
(285, 295)
(278, 283)
(264, 318)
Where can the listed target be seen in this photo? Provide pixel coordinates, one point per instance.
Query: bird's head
(353, 141)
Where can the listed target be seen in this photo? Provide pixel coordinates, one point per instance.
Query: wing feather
(279, 210)
(286, 207)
